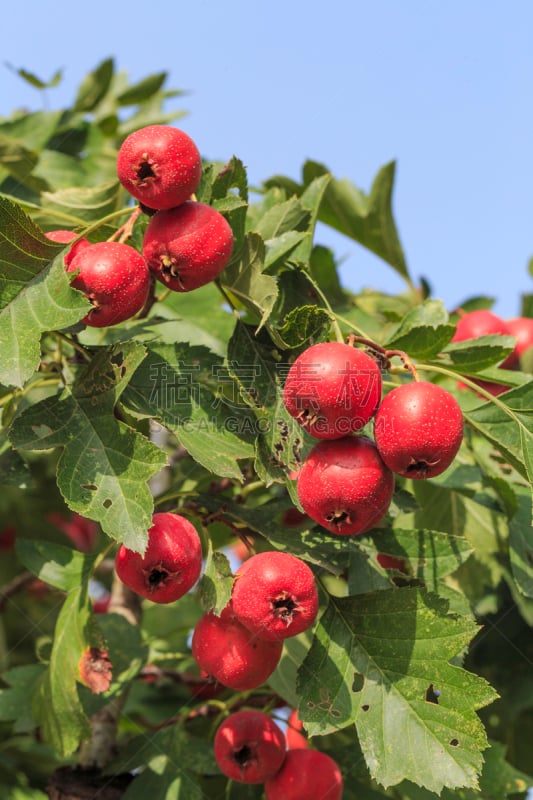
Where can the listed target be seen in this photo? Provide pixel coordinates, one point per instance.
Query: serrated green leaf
(13, 470)
(105, 465)
(82, 205)
(216, 583)
(178, 384)
(472, 356)
(521, 545)
(374, 661)
(55, 564)
(56, 705)
(16, 700)
(245, 280)
(282, 247)
(282, 218)
(95, 86)
(35, 295)
(423, 332)
(305, 325)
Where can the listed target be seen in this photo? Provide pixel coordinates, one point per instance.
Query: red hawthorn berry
(115, 278)
(8, 536)
(249, 747)
(64, 237)
(296, 740)
(332, 389)
(306, 775)
(522, 329)
(171, 564)
(188, 246)
(160, 166)
(230, 654)
(418, 429)
(390, 562)
(275, 595)
(345, 486)
(81, 531)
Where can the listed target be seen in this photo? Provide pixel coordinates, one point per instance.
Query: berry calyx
(418, 429)
(275, 595)
(306, 775)
(114, 278)
(332, 389)
(171, 564)
(64, 237)
(249, 747)
(160, 166)
(227, 652)
(188, 246)
(345, 486)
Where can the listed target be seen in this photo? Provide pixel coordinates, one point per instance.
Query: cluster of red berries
(346, 483)
(251, 748)
(186, 243)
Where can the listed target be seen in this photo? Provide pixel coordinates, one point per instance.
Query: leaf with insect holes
(381, 661)
(105, 464)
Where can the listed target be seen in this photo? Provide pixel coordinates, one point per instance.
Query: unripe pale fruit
(332, 389)
(171, 564)
(345, 486)
(115, 278)
(306, 775)
(418, 429)
(160, 166)
(229, 653)
(249, 747)
(522, 329)
(64, 237)
(188, 246)
(275, 595)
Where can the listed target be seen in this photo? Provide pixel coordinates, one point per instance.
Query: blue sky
(445, 89)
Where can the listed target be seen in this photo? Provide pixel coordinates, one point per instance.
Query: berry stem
(474, 386)
(125, 231)
(406, 361)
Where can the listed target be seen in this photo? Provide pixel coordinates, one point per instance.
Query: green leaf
(95, 86)
(246, 281)
(13, 470)
(128, 652)
(20, 162)
(82, 204)
(374, 662)
(105, 465)
(142, 90)
(216, 583)
(35, 295)
(163, 779)
(37, 82)
(55, 564)
(178, 385)
(57, 707)
(472, 356)
(284, 678)
(367, 219)
(521, 545)
(424, 331)
(16, 700)
(305, 325)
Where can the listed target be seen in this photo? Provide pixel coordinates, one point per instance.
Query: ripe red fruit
(275, 595)
(390, 562)
(522, 329)
(229, 653)
(64, 237)
(188, 246)
(160, 166)
(294, 737)
(418, 429)
(306, 775)
(478, 323)
(345, 486)
(171, 564)
(332, 389)
(81, 531)
(8, 536)
(115, 278)
(249, 747)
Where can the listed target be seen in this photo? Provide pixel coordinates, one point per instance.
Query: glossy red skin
(332, 389)
(294, 737)
(171, 564)
(522, 329)
(418, 429)
(229, 653)
(64, 237)
(306, 775)
(160, 166)
(188, 246)
(275, 595)
(345, 477)
(249, 747)
(115, 278)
